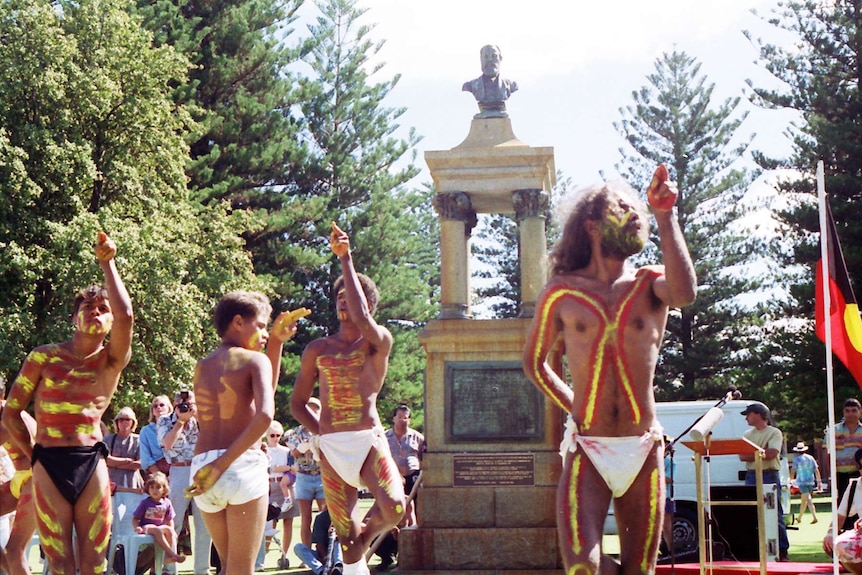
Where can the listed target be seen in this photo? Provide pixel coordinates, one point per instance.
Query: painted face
(341, 306)
(623, 232)
(94, 317)
(256, 334)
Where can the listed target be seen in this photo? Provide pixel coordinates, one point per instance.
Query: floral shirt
(305, 463)
(184, 447)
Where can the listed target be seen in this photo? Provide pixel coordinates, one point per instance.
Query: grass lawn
(805, 543)
(805, 538)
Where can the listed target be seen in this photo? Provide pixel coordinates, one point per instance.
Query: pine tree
(497, 250)
(356, 175)
(822, 80)
(674, 120)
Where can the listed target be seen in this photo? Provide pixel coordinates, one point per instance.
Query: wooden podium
(709, 447)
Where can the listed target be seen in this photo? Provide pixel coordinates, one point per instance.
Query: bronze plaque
(475, 469)
(492, 401)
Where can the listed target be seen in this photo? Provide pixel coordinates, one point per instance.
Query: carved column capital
(530, 203)
(456, 206)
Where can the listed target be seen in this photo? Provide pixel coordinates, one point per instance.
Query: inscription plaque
(475, 469)
(489, 401)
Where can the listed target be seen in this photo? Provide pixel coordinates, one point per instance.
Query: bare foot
(174, 558)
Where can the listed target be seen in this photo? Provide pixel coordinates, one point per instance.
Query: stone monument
(487, 503)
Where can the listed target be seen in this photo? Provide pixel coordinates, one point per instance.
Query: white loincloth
(617, 459)
(346, 451)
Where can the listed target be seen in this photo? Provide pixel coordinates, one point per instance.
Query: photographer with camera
(178, 434)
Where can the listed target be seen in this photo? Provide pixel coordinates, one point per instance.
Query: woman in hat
(807, 474)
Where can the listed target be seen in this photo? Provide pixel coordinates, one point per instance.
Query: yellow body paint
(578, 569)
(25, 383)
(652, 528)
(341, 372)
(572, 501)
(336, 501)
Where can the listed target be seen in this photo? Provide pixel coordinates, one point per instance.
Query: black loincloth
(70, 467)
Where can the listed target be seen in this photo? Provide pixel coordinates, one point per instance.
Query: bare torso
(70, 395)
(611, 338)
(350, 376)
(224, 395)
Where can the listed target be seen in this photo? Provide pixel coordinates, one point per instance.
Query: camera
(183, 406)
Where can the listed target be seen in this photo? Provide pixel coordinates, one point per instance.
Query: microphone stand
(670, 447)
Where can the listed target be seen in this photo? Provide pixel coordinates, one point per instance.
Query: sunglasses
(155, 405)
(124, 419)
(274, 435)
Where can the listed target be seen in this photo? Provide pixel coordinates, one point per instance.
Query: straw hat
(800, 447)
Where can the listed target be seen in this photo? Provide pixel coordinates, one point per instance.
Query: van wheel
(685, 529)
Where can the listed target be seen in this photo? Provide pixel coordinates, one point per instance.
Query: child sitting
(155, 516)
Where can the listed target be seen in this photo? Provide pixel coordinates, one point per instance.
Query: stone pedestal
(490, 172)
(487, 502)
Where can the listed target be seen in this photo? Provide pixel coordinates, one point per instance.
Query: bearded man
(608, 319)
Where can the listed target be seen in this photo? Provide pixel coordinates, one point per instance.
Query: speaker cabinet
(736, 525)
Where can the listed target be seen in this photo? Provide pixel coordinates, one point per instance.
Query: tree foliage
(674, 120)
(820, 77)
(356, 176)
(91, 140)
(497, 250)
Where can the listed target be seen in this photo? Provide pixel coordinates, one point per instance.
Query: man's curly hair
(369, 288)
(573, 251)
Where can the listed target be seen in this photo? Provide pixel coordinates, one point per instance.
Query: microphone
(732, 393)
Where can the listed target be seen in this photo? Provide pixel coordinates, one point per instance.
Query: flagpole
(827, 326)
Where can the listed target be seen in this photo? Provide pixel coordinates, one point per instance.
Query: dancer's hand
(661, 194)
(106, 249)
(205, 478)
(285, 326)
(339, 242)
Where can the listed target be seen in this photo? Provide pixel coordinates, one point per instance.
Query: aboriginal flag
(846, 325)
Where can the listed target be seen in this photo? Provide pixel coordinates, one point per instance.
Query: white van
(720, 471)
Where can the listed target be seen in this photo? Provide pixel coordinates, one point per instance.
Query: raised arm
(678, 286)
(375, 334)
(283, 329)
(120, 344)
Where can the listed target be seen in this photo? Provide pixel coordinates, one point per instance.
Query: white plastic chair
(123, 533)
(132, 542)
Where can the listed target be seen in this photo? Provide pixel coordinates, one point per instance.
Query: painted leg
(54, 516)
(93, 518)
(22, 532)
(380, 473)
(341, 501)
(580, 517)
(640, 514)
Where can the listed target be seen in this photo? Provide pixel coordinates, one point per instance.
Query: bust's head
(491, 57)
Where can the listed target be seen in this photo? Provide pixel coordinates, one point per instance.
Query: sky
(576, 63)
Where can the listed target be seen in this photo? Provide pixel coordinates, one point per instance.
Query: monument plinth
(488, 498)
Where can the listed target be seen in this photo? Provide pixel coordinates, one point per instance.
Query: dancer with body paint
(235, 393)
(16, 496)
(350, 367)
(70, 385)
(608, 319)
